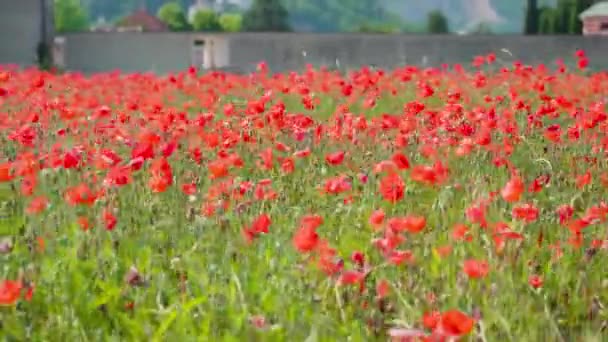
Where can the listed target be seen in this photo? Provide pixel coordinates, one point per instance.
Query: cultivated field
(437, 204)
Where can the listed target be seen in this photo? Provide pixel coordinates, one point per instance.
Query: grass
(149, 260)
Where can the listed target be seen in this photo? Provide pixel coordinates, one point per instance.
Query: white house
(595, 19)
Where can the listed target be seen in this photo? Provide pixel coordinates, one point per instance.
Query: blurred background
(169, 35)
(415, 16)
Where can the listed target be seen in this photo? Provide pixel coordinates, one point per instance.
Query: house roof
(598, 10)
(143, 19)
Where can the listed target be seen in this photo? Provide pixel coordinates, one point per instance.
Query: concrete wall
(217, 53)
(20, 31)
(163, 52)
(288, 51)
(138, 51)
(127, 51)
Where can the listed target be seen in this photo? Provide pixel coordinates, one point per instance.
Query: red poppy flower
(337, 185)
(37, 205)
(10, 291)
(83, 223)
(535, 281)
(564, 213)
(460, 232)
(259, 226)
(382, 288)
(392, 187)
(109, 219)
(306, 238)
(513, 190)
(217, 168)
(414, 223)
(266, 159)
(351, 278)
(476, 268)
(431, 319)
(377, 218)
(6, 172)
(189, 188)
(525, 212)
(162, 175)
(358, 258)
(80, 194)
(288, 165)
(456, 323)
(302, 153)
(335, 158)
(539, 183)
(401, 161)
(397, 258)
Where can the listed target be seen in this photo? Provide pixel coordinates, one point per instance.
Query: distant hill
(503, 16)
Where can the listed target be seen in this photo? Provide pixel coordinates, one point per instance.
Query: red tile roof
(143, 19)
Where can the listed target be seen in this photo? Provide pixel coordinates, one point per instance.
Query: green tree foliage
(231, 22)
(340, 15)
(70, 16)
(113, 10)
(206, 21)
(173, 15)
(532, 17)
(563, 18)
(266, 15)
(437, 22)
(378, 28)
(547, 20)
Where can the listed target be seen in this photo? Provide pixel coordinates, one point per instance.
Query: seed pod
(133, 277)
(6, 246)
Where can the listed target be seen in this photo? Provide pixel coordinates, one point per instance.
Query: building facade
(24, 26)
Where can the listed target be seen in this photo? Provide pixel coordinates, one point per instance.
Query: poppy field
(459, 203)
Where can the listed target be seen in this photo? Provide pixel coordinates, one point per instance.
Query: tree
(231, 22)
(437, 22)
(266, 15)
(532, 17)
(547, 20)
(206, 20)
(341, 15)
(70, 16)
(377, 28)
(563, 17)
(173, 15)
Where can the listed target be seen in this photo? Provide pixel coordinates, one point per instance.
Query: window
(604, 26)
